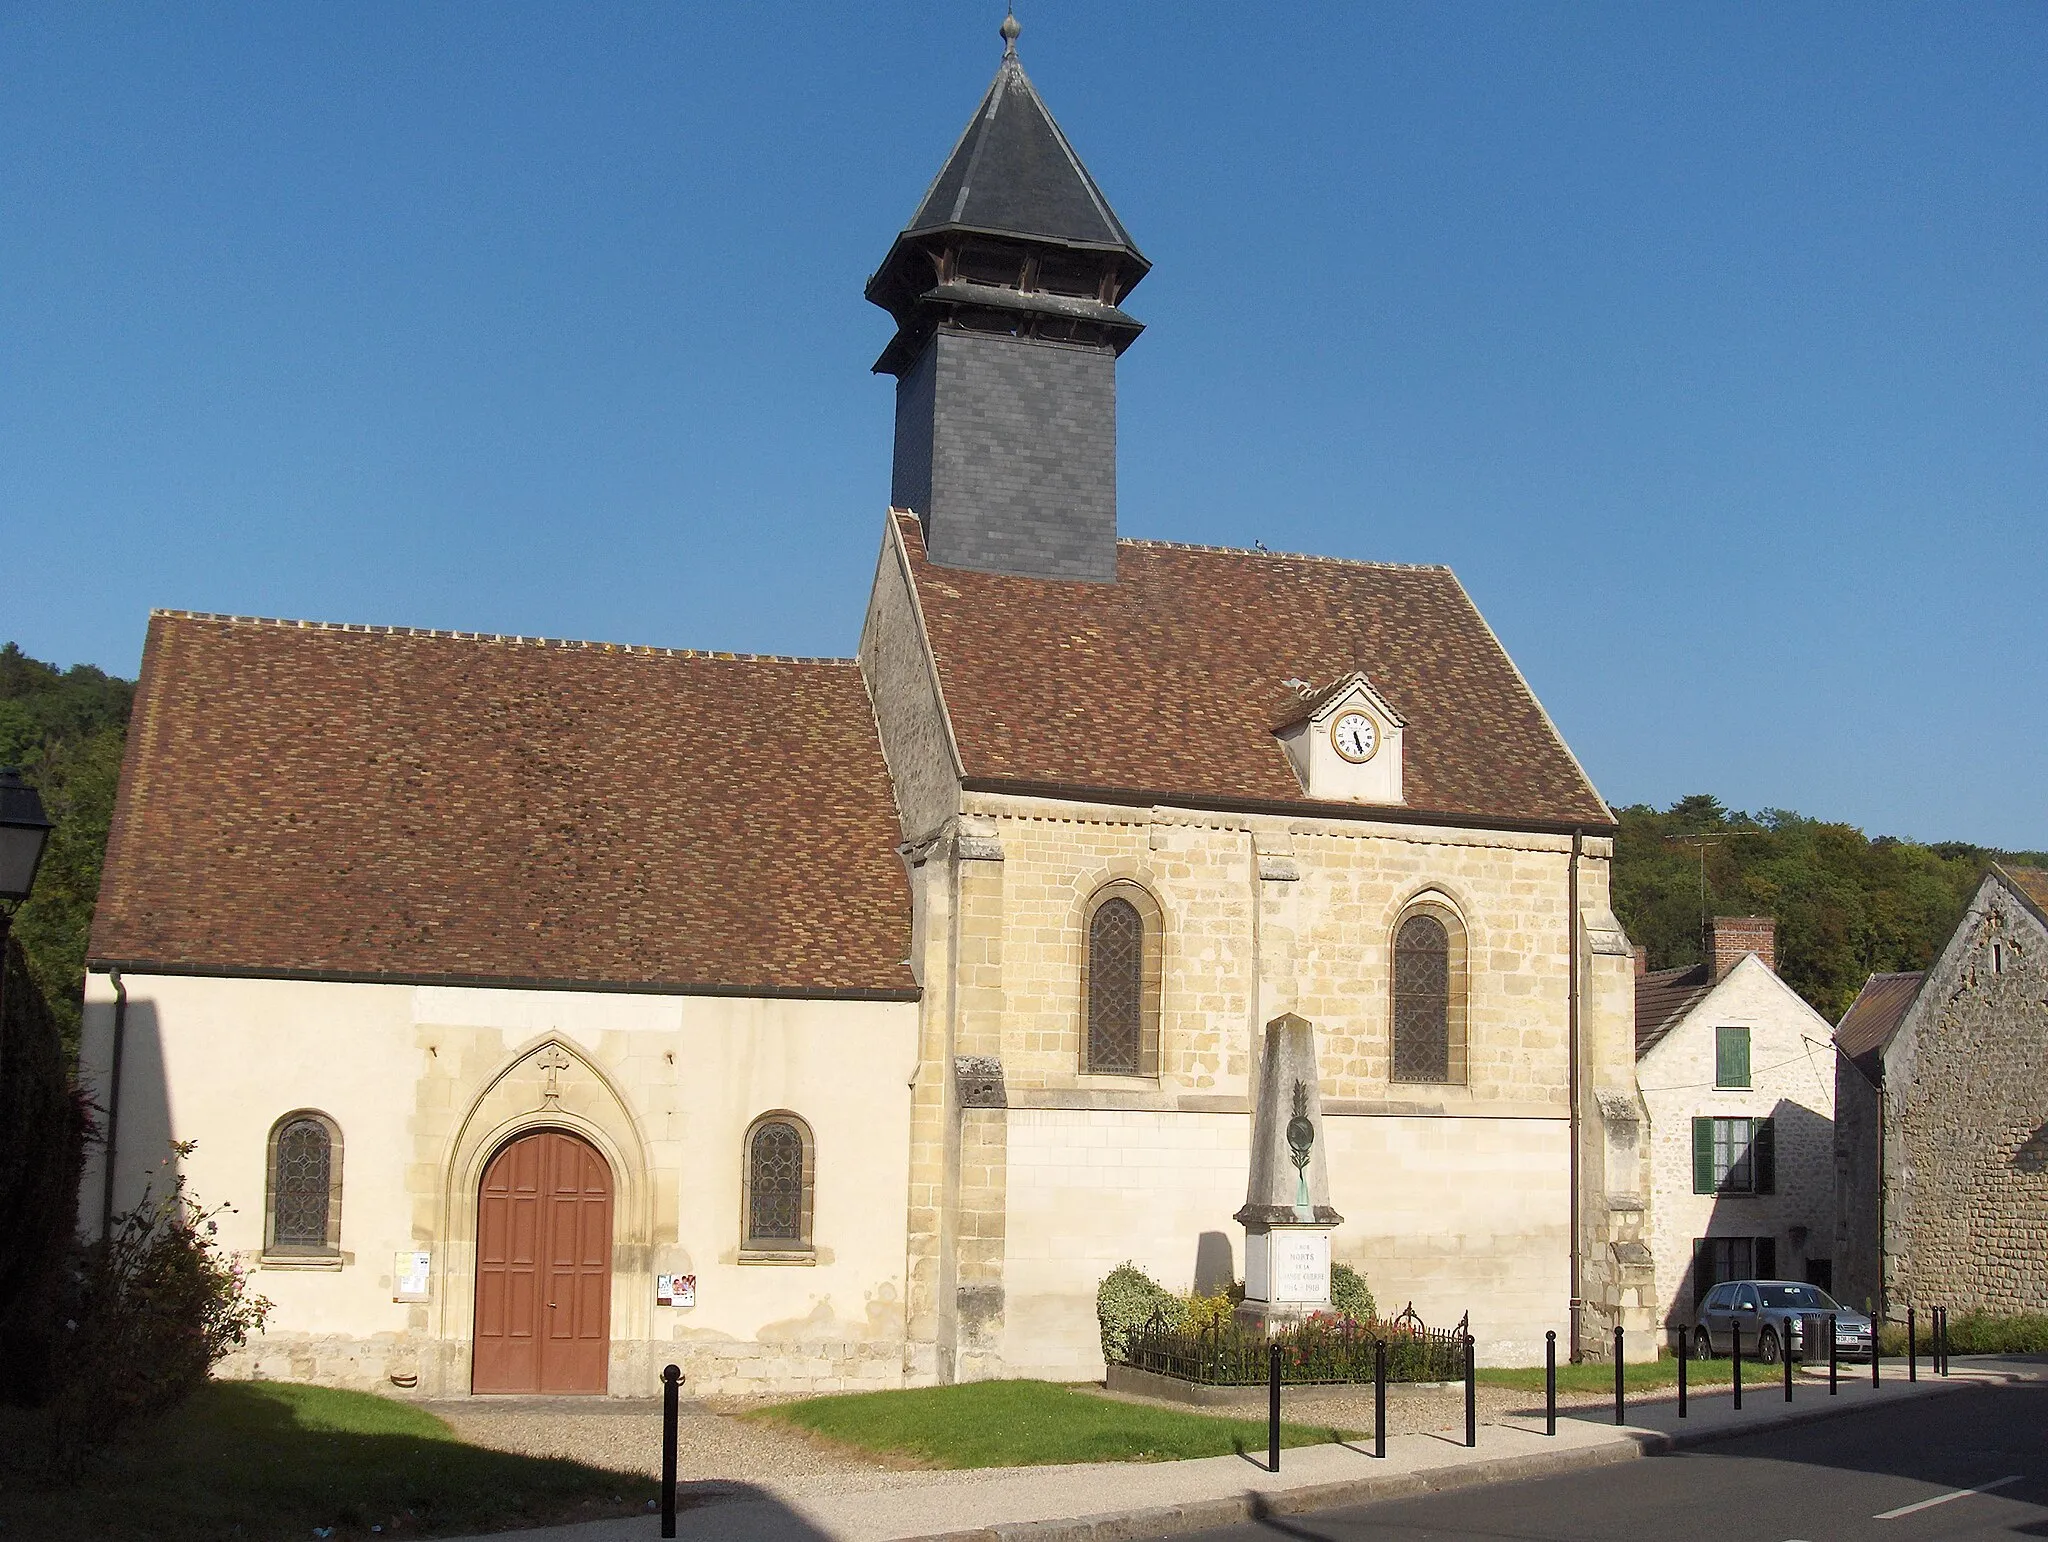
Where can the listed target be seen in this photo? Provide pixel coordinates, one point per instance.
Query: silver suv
(1773, 1314)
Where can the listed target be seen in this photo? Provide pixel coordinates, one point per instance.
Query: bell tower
(1006, 288)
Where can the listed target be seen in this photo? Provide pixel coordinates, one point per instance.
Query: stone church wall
(1463, 1190)
(1451, 1215)
(425, 1083)
(1966, 1121)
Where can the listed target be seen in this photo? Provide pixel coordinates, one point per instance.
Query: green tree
(1847, 906)
(66, 730)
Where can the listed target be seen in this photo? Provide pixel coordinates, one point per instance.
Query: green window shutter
(1731, 1057)
(1703, 1156)
(1763, 1153)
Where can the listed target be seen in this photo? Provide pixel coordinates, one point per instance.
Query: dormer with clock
(1344, 741)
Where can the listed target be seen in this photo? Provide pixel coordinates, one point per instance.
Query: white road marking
(1942, 1499)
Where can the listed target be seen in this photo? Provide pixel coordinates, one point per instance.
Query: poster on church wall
(409, 1273)
(675, 1290)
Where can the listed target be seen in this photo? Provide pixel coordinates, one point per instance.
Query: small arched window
(1429, 997)
(781, 1180)
(1120, 987)
(303, 1216)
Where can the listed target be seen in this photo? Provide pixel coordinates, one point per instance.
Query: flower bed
(1323, 1349)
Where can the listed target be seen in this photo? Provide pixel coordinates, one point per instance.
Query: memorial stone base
(1286, 1273)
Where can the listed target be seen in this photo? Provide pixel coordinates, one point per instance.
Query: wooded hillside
(1846, 905)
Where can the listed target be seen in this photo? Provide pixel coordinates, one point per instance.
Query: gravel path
(625, 1436)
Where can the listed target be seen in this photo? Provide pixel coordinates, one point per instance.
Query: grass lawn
(1025, 1424)
(1649, 1376)
(262, 1460)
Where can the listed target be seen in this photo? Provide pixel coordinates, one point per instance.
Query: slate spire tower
(1006, 287)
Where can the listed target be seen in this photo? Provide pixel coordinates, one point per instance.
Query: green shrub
(1127, 1299)
(44, 1124)
(152, 1308)
(1976, 1333)
(1350, 1295)
(1207, 1313)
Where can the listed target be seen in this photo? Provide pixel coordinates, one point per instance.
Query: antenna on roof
(1009, 30)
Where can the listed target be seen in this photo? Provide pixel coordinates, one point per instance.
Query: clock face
(1355, 736)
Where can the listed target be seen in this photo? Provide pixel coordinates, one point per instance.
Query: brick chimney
(1642, 960)
(1730, 937)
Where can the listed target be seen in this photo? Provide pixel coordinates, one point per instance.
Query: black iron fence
(1322, 1349)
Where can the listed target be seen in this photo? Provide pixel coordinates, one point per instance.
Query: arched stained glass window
(1116, 989)
(780, 1180)
(305, 1185)
(1422, 1001)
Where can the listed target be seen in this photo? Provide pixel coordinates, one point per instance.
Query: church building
(549, 1011)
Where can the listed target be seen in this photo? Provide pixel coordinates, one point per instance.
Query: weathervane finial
(1009, 29)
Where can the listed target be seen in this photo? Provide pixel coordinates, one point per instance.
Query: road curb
(1235, 1509)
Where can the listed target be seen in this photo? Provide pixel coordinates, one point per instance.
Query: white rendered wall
(1792, 1079)
(425, 1081)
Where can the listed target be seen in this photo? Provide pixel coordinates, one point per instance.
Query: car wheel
(1767, 1347)
(1702, 1348)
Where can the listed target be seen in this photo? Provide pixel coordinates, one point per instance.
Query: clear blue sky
(1709, 344)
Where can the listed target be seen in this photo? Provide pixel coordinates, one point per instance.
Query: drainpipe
(113, 1102)
(1572, 1041)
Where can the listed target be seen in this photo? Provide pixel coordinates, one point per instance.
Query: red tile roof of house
(1874, 1016)
(303, 799)
(1663, 997)
(1165, 685)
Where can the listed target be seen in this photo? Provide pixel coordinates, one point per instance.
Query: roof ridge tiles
(1284, 556)
(365, 628)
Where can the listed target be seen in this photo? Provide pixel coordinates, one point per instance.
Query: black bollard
(1273, 1408)
(1785, 1356)
(1834, 1360)
(1684, 1359)
(671, 1393)
(1550, 1382)
(1912, 1343)
(1876, 1356)
(1471, 1396)
(1379, 1397)
(1941, 1341)
(1735, 1358)
(1619, 1372)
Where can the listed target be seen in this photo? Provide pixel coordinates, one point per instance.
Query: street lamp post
(24, 831)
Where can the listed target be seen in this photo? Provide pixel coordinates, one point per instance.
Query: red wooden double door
(544, 1268)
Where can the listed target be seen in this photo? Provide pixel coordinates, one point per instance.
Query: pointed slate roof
(1013, 173)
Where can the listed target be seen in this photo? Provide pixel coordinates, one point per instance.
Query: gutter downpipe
(1577, 1308)
(113, 1102)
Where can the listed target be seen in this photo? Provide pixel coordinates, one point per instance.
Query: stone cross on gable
(554, 1062)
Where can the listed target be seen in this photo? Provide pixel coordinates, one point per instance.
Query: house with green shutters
(1737, 1074)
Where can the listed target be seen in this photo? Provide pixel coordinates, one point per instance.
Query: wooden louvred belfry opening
(543, 1268)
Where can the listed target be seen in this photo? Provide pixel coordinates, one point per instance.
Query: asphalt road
(1839, 1478)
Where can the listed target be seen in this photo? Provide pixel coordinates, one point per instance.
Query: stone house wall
(1966, 1120)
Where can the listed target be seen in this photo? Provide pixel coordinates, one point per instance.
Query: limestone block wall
(1859, 1247)
(1451, 1214)
(1792, 1077)
(426, 1083)
(1966, 1120)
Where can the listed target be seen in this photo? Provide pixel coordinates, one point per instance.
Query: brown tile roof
(1663, 997)
(388, 803)
(1874, 1016)
(2032, 884)
(1164, 685)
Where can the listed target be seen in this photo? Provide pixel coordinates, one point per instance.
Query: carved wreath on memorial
(1301, 1139)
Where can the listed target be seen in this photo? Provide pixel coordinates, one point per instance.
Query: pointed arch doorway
(543, 1267)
